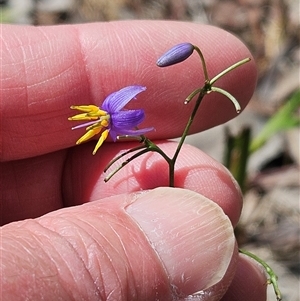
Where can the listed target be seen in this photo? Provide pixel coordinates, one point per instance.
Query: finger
(194, 170)
(31, 187)
(164, 244)
(249, 282)
(47, 69)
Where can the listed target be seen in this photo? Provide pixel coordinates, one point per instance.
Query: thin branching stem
(122, 155)
(188, 125)
(227, 94)
(203, 63)
(273, 277)
(213, 80)
(125, 163)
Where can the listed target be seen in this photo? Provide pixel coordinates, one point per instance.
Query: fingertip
(190, 234)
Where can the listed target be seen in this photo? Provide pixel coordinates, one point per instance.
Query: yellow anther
(100, 141)
(83, 116)
(88, 135)
(91, 113)
(85, 108)
(98, 113)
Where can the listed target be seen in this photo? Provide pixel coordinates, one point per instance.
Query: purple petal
(127, 119)
(117, 100)
(118, 132)
(113, 134)
(175, 55)
(136, 132)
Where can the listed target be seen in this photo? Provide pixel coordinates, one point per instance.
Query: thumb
(163, 244)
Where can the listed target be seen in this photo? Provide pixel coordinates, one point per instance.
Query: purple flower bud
(175, 55)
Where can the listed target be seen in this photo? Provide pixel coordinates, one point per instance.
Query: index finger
(47, 69)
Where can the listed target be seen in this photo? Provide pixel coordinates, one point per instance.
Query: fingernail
(191, 235)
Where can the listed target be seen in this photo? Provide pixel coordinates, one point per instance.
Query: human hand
(122, 244)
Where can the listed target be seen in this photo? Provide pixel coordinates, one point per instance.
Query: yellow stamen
(91, 112)
(85, 108)
(91, 133)
(101, 123)
(105, 122)
(98, 113)
(100, 141)
(83, 116)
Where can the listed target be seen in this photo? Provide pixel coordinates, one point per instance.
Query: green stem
(213, 80)
(203, 63)
(171, 173)
(228, 95)
(273, 277)
(151, 146)
(122, 155)
(125, 163)
(184, 134)
(147, 146)
(188, 125)
(192, 95)
(154, 148)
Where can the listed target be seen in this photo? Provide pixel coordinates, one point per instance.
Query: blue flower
(175, 55)
(110, 118)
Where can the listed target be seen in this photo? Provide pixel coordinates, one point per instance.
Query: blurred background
(260, 147)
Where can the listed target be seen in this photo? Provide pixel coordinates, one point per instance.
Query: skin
(67, 234)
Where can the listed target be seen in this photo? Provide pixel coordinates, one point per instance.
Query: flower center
(102, 122)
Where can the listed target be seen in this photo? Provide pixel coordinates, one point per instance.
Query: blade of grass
(284, 119)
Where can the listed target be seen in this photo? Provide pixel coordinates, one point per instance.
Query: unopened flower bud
(175, 55)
